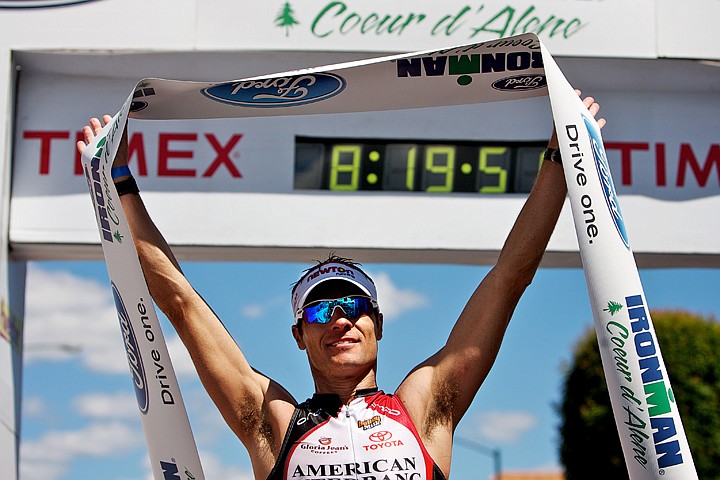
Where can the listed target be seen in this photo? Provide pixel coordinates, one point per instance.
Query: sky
(79, 416)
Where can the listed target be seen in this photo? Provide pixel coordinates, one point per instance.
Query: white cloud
(208, 425)
(63, 310)
(253, 311)
(213, 467)
(34, 407)
(181, 361)
(393, 300)
(107, 406)
(50, 456)
(503, 426)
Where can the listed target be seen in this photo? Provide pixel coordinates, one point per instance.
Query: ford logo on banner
(277, 92)
(132, 350)
(606, 181)
(520, 82)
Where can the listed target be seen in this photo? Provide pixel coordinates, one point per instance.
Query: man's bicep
(443, 387)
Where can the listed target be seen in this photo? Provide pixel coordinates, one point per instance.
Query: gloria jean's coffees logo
(323, 447)
(278, 92)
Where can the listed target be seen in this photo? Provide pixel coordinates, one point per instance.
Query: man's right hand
(89, 133)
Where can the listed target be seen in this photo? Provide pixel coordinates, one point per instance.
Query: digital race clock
(416, 166)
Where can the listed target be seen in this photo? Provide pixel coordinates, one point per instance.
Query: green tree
(286, 18)
(590, 446)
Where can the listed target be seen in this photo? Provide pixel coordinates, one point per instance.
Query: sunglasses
(321, 311)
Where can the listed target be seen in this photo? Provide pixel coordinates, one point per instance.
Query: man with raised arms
(349, 429)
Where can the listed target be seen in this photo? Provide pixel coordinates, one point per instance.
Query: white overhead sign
(661, 142)
(666, 168)
(609, 28)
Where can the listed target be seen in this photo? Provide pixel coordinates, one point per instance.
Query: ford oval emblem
(132, 350)
(278, 92)
(606, 181)
(520, 82)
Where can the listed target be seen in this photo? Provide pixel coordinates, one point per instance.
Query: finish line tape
(514, 68)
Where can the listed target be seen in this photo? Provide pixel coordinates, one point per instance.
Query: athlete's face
(341, 346)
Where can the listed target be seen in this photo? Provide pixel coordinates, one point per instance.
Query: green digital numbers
(345, 167)
(493, 165)
(439, 168)
(398, 165)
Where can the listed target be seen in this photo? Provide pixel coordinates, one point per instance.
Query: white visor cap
(331, 271)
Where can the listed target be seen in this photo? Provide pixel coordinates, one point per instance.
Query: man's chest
(363, 442)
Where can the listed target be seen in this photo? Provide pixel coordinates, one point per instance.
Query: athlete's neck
(345, 388)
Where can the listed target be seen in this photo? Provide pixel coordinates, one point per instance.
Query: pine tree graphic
(286, 18)
(117, 236)
(613, 307)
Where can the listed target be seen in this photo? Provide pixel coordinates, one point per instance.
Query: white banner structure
(171, 446)
(647, 418)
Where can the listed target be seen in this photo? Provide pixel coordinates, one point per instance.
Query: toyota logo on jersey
(380, 436)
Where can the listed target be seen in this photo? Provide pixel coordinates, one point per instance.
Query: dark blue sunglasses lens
(322, 311)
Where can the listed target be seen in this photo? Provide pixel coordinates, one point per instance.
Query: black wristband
(553, 155)
(129, 185)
